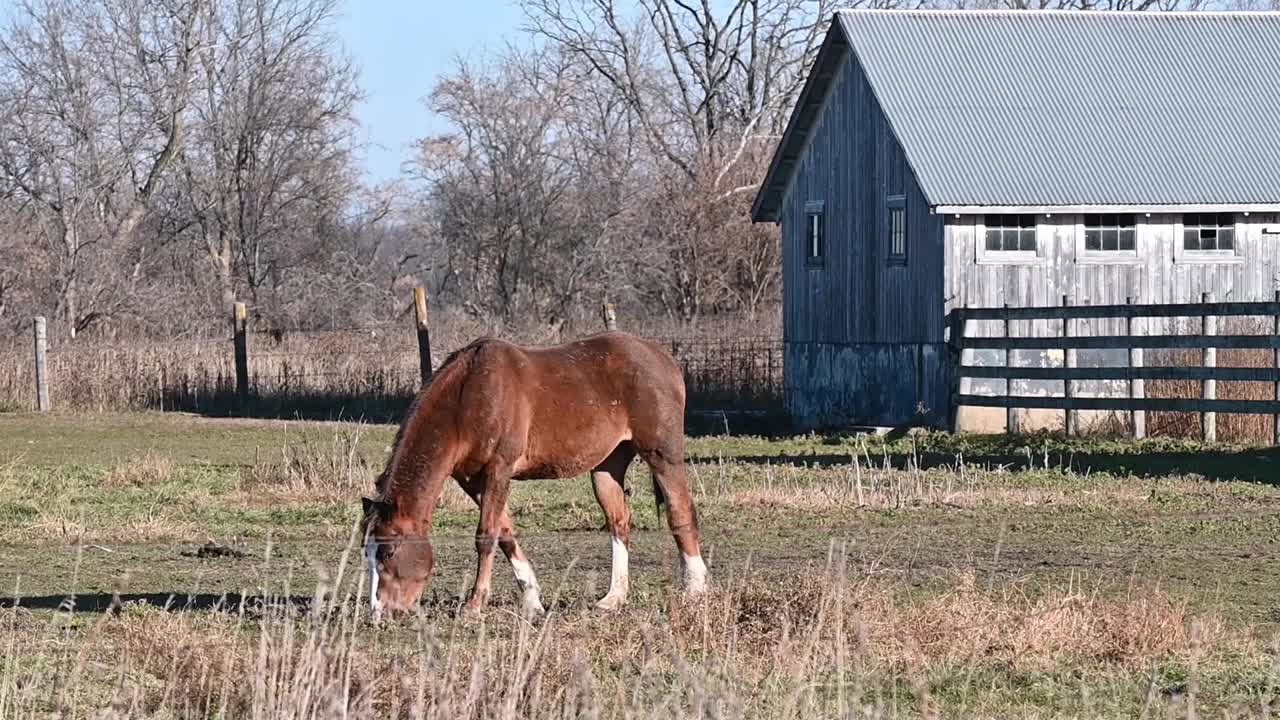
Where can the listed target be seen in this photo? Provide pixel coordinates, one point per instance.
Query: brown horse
(495, 412)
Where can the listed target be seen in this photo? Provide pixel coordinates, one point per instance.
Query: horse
(496, 412)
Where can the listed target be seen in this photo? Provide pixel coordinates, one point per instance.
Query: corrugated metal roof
(1025, 108)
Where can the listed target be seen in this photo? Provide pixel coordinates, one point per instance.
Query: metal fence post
(1137, 388)
(42, 363)
(1209, 388)
(240, 326)
(424, 333)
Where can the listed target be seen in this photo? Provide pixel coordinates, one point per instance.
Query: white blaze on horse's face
(371, 560)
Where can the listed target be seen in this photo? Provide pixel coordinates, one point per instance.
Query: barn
(943, 159)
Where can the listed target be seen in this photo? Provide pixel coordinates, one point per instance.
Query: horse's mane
(452, 362)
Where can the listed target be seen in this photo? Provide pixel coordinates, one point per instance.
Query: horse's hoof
(531, 609)
(695, 576)
(696, 589)
(610, 603)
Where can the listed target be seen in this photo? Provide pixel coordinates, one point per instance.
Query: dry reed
(143, 471)
(350, 373)
(827, 643)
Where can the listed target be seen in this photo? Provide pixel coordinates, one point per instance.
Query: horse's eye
(386, 550)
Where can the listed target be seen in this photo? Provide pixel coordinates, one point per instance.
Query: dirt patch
(212, 550)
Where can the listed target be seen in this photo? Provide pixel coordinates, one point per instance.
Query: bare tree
(269, 158)
(710, 88)
(93, 95)
(702, 82)
(526, 188)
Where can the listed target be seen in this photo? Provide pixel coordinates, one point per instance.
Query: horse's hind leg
(666, 462)
(608, 481)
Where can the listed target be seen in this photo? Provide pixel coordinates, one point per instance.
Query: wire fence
(369, 372)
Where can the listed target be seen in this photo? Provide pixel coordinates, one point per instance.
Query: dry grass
(454, 500)
(367, 372)
(932, 493)
(862, 483)
(142, 471)
(825, 644)
(965, 624)
(308, 467)
(1230, 427)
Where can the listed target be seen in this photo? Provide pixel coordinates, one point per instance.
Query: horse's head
(399, 557)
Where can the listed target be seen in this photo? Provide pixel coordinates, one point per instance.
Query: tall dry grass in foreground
(830, 643)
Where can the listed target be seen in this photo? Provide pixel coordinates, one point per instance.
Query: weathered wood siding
(863, 335)
(1156, 275)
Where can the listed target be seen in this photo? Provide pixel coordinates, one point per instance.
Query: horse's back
(567, 406)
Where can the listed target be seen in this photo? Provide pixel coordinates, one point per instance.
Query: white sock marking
(528, 582)
(371, 560)
(620, 580)
(695, 574)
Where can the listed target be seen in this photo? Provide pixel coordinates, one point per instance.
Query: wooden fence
(371, 371)
(1135, 373)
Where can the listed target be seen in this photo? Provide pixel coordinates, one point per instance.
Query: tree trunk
(70, 304)
(70, 284)
(226, 280)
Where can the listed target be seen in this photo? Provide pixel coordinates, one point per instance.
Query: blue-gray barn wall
(864, 338)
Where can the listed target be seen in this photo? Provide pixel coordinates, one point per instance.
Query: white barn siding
(1156, 276)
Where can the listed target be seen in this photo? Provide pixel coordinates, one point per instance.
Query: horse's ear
(375, 507)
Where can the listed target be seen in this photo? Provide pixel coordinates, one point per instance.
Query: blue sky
(401, 47)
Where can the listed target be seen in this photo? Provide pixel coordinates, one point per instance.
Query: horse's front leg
(493, 504)
(530, 592)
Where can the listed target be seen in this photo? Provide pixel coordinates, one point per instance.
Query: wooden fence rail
(1081, 312)
(370, 371)
(1207, 315)
(1123, 342)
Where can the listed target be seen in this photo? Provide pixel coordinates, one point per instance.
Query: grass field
(920, 576)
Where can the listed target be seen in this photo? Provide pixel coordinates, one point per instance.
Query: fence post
(239, 323)
(1209, 388)
(42, 363)
(424, 333)
(1137, 388)
(1068, 361)
(609, 315)
(1276, 331)
(1010, 415)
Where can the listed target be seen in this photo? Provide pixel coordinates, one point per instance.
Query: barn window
(1011, 233)
(815, 232)
(1109, 233)
(897, 229)
(1209, 232)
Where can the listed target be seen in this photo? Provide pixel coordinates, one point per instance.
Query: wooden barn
(943, 159)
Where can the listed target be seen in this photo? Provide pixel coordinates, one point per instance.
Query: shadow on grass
(113, 602)
(704, 416)
(1146, 459)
